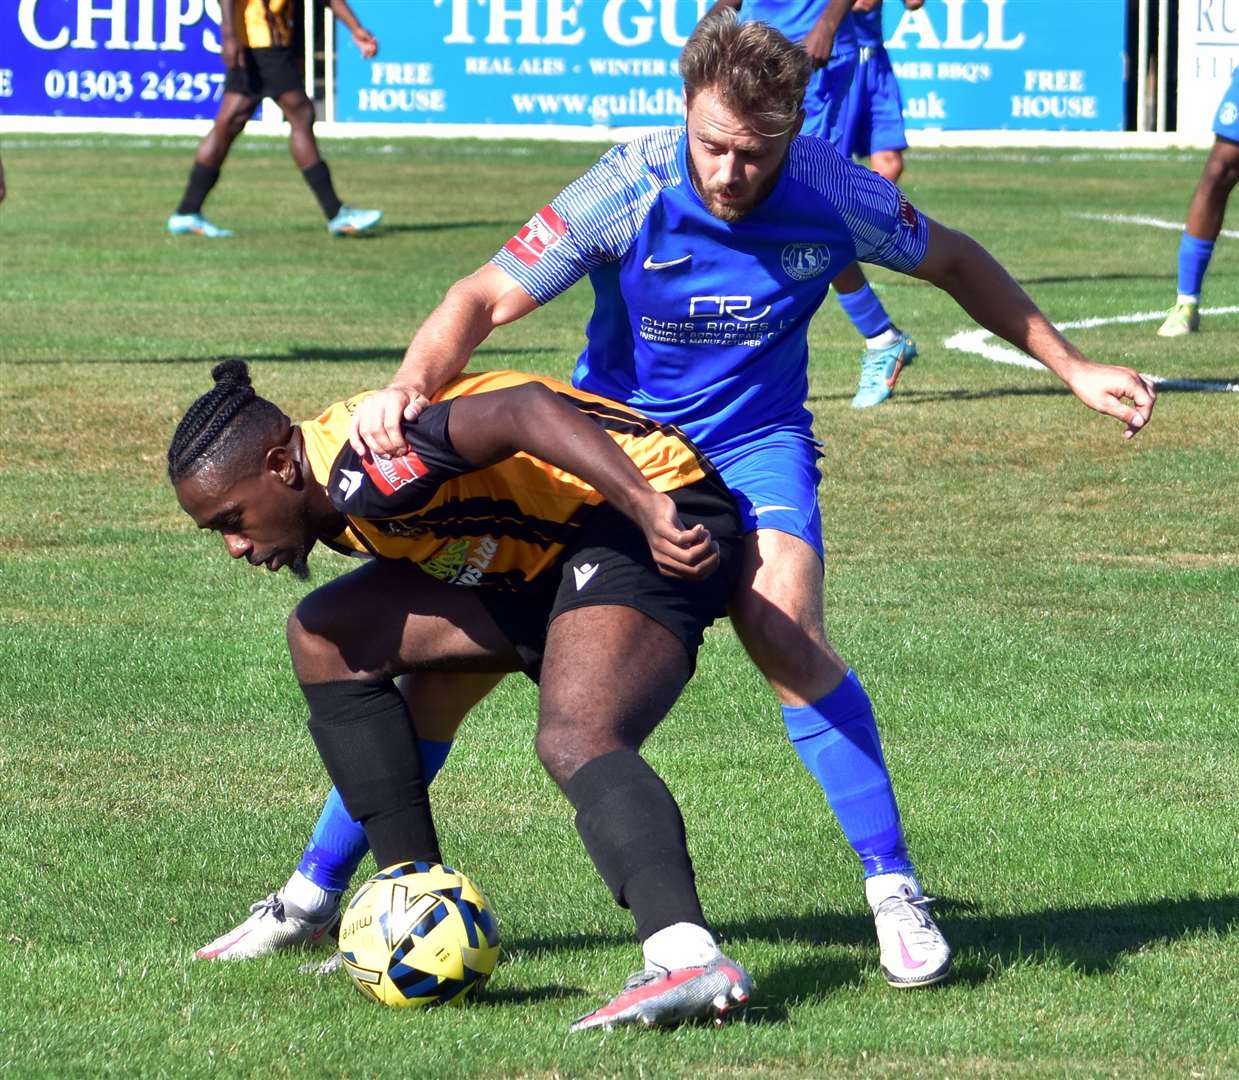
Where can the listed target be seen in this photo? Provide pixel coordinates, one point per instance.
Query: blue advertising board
(964, 64)
(1028, 64)
(110, 58)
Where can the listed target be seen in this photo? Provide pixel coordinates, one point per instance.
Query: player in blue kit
(1206, 214)
(872, 120)
(709, 249)
(827, 33)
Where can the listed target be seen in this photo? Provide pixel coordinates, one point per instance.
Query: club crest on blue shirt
(804, 261)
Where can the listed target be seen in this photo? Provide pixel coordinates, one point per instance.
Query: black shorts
(265, 73)
(610, 564)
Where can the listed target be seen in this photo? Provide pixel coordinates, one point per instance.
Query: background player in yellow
(261, 50)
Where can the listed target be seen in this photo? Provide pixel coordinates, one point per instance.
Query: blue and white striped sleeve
(886, 228)
(592, 221)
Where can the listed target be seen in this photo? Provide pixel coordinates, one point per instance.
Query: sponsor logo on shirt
(725, 307)
(541, 232)
(804, 261)
(1229, 113)
(462, 562)
(907, 212)
(391, 474)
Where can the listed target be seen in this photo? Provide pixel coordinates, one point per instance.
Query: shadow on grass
(905, 398)
(530, 996)
(1072, 279)
(441, 226)
(302, 353)
(1093, 940)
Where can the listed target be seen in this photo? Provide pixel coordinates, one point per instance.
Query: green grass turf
(1045, 615)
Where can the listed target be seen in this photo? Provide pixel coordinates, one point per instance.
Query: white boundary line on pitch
(1142, 219)
(978, 342)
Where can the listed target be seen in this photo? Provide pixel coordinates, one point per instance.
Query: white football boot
(913, 950)
(273, 925)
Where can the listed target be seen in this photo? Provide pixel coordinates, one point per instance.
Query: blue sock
(865, 310)
(338, 843)
(837, 740)
(1194, 256)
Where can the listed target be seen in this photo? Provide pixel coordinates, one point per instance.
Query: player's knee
(234, 123)
(563, 747)
(312, 631)
(300, 114)
(1222, 172)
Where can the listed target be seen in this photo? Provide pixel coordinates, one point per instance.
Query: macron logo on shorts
(583, 574)
(542, 231)
(391, 474)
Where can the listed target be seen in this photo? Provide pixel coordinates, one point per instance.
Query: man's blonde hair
(755, 70)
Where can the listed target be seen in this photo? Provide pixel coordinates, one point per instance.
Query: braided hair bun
(235, 371)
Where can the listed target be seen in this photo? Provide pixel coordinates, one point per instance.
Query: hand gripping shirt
(498, 526)
(697, 321)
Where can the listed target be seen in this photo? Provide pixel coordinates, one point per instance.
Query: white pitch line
(1143, 219)
(978, 343)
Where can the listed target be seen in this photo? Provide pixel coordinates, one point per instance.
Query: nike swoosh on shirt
(767, 509)
(652, 264)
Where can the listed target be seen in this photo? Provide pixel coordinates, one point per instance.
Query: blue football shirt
(795, 18)
(697, 321)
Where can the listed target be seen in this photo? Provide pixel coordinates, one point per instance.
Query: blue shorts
(825, 96)
(775, 483)
(1226, 123)
(873, 114)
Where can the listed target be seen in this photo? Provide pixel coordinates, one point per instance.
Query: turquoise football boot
(197, 225)
(880, 370)
(350, 222)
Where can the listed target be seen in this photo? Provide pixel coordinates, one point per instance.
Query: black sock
(634, 834)
(368, 745)
(201, 180)
(318, 176)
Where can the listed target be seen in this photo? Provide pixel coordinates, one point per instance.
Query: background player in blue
(872, 119)
(709, 249)
(1206, 214)
(825, 30)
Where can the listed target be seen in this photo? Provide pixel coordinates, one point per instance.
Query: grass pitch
(1045, 616)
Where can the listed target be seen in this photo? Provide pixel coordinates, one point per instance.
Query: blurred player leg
(341, 220)
(1206, 214)
(1204, 224)
(835, 94)
(888, 350)
(234, 113)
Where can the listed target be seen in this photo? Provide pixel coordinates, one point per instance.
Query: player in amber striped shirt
(260, 45)
(530, 527)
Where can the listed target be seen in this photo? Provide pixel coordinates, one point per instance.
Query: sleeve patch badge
(907, 212)
(542, 231)
(391, 474)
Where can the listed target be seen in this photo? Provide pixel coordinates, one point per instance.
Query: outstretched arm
(362, 38)
(959, 265)
(440, 349)
(486, 428)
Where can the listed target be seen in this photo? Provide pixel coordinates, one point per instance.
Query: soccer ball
(418, 934)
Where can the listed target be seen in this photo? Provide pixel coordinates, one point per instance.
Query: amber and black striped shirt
(498, 526)
(265, 24)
